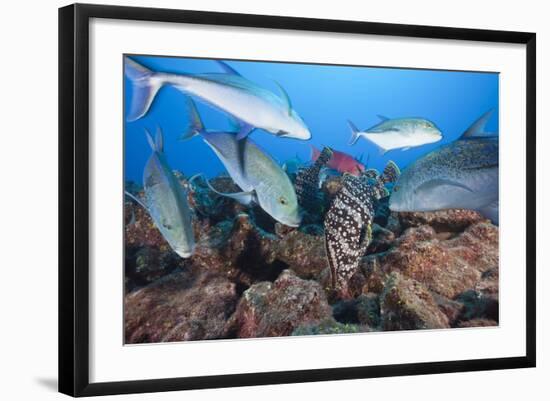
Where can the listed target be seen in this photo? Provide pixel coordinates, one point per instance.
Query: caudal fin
(157, 144)
(145, 86)
(354, 133)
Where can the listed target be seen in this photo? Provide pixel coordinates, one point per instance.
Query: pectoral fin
(244, 198)
(438, 182)
(491, 212)
(135, 199)
(244, 130)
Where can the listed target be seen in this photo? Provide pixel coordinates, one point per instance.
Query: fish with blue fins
(348, 224)
(261, 179)
(398, 133)
(166, 200)
(461, 175)
(253, 105)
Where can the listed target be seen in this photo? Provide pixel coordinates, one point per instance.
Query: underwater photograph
(270, 199)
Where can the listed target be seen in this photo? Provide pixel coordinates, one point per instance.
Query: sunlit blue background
(325, 97)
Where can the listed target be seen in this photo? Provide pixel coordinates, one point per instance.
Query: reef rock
(180, 306)
(329, 326)
(407, 305)
(303, 253)
(148, 256)
(240, 250)
(447, 267)
(363, 311)
(442, 220)
(276, 309)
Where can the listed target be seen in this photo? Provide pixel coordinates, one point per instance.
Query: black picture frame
(74, 198)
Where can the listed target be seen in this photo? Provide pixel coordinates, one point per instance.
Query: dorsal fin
(478, 127)
(381, 117)
(285, 97)
(226, 68)
(195, 123)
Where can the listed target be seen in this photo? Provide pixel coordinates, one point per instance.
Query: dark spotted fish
(348, 222)
(390, 174)
(307, 181)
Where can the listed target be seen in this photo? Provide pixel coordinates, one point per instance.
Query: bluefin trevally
(262, 180)
(166, 200)
(398, 133)
(253, 105)
(459, 175)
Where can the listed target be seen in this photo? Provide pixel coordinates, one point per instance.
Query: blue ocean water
(325, 96)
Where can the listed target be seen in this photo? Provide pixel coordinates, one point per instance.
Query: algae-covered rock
(180, 306)
(363, 311)
(278, 308)
(407, 305)
(447, 267)
(329, 326)
(442, 220)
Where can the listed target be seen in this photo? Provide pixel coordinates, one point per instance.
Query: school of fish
(459, 174)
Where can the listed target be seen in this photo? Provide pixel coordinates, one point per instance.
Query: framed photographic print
(331, 199)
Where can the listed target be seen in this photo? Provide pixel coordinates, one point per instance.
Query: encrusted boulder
(276, 309)
(447, 267)
(182, 306)
(442, 220)
(407, 305)
(303, 252)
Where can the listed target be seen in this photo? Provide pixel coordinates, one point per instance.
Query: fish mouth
(184, 253)
(292, 223)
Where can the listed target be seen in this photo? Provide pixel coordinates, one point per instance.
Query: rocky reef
(252, 277)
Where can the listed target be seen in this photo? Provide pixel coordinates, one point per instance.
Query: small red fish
(340, 162)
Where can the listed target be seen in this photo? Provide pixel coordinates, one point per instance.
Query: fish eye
(283, 201)
(396, 188)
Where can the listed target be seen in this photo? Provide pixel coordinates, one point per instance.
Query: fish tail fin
(354, 133)
(159, 140)
(150, 140)
(156, 144)
(391, 173)
(145, 85)
(195, 126)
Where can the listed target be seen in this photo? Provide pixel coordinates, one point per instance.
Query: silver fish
(166, 201)
(348, 224)
(398, 133)
(229, 92)
(262, 180)
(461, 175)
